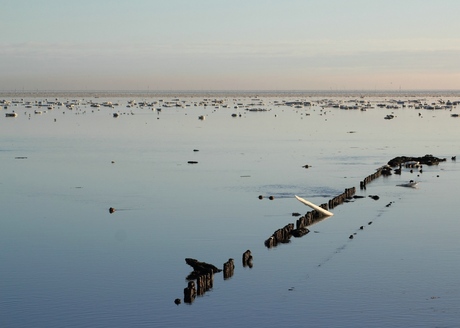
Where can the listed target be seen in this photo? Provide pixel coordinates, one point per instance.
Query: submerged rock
(427, 160)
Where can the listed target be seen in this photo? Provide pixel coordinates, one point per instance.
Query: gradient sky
(229, 45)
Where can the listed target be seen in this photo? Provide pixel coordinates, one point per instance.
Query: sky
(230, 45)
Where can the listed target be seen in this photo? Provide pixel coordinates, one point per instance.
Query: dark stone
(299, 232)
(111, 210)
(192, 162)
(427, 160)
(374, 197)
(386, 171)
(177, 301)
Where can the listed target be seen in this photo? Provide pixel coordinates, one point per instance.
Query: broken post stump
(247, 259)
(229, 269)
(190, 292)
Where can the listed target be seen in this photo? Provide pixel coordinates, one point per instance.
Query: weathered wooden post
(229, 268)
(205, 282)
(247, 259)
(190, 292)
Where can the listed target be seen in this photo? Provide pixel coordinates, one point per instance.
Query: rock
(111, 210)
(427, 160)
(299, 232)
(202, 267)
(374, 197)
(386, 171)
(177, 301)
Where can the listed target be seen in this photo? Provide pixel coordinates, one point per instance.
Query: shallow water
(66, 261)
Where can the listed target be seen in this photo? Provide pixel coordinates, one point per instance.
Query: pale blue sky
(229, 44)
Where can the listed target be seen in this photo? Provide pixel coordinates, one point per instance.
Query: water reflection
(65, 264)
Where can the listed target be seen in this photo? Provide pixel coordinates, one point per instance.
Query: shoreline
(230, 93)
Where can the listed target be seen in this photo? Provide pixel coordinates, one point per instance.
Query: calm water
(68, 262)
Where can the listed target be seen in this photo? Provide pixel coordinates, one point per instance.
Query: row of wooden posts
(340, 199)
(284, 234)
(204, 277)
(384, 170)
(204, 273)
